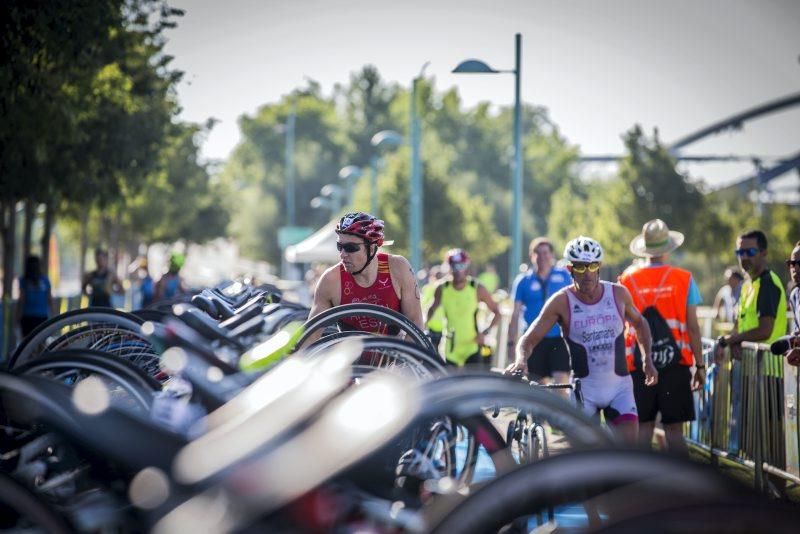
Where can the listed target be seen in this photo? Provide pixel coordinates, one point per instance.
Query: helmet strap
(370, 256)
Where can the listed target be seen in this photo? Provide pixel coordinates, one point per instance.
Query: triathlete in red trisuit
(365, 275)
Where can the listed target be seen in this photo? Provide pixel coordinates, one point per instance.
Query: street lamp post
(289, 164)
(381, 140)
(416, 188)
(474, 66)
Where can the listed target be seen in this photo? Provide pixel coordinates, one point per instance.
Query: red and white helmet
(362, 225)
(456, 255)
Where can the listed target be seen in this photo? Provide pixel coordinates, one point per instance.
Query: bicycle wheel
(23, 511)
(537, 442)
(627, 480)
(127, 384)
(55, 330)
(381, 314)
(473, 394)
(380, 352)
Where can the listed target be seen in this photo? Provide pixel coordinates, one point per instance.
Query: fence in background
(747, 412)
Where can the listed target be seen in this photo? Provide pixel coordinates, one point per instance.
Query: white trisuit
(596, 341)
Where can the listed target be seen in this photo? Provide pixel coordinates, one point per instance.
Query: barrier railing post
(758, 457)
(713, 410)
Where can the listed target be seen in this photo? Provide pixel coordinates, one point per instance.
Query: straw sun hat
(656, 239)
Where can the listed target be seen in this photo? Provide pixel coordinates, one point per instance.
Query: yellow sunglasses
(580, 269)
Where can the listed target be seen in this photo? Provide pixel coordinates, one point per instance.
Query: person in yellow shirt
(762, 304)
(459, 296)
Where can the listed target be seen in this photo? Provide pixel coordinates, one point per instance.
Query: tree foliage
(465, 164)
(87, 97)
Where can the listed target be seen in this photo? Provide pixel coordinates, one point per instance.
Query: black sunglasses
(749, 252)
(793, 263)
(348, 247)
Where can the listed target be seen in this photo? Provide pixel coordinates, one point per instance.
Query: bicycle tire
(133, 380)
(31, 345)
(113, 342)
(404, 352)
(564, 479)
(28, 507)
(470, 393)
(385, 315)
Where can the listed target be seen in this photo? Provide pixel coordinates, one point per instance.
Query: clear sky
(599, 66)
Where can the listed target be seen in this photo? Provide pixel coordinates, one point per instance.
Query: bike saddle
(206, 304)
(205, 325)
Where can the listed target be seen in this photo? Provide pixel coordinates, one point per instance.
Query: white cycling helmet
(584, 250)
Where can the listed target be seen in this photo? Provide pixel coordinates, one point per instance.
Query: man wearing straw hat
(668, 298)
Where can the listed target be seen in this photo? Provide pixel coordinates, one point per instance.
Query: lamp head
(474, 66)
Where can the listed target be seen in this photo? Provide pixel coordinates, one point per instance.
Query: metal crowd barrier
(747, 412)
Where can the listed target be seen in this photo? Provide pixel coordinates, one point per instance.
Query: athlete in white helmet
(592, 315)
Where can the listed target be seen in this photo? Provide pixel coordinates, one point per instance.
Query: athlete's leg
(626, 426)
(646, 429)
(621, 412)
(560, 377)
(673, 432)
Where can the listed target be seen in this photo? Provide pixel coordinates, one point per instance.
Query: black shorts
(550, 355)
(672, 396)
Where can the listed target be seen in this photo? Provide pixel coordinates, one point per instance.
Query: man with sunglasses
(762, 304)
(367, 276)
(459, 297)
(668, 298)
(592, 315)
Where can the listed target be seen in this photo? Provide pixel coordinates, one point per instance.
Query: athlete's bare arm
(437, 301)
(696, 342)
(486, 297)
(513, 323)
(554, 311)
(402, 272)
(643, 336)
(326, 296)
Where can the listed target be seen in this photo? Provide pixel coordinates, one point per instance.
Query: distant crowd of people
(100, 286)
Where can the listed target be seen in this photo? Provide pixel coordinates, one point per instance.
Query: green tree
(452, 216)
(178, 200)
(257, 168)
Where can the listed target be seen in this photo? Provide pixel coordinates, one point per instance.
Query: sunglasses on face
(793, 263)
(591, 267)
(459, 266)
(748, 252)
(350, 248)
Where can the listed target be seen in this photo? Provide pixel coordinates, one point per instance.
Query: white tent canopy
(318, 247)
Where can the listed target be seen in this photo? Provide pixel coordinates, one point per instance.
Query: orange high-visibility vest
(667, 288)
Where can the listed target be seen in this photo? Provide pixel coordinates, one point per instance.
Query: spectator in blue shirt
(550, 358)
(35, 298)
